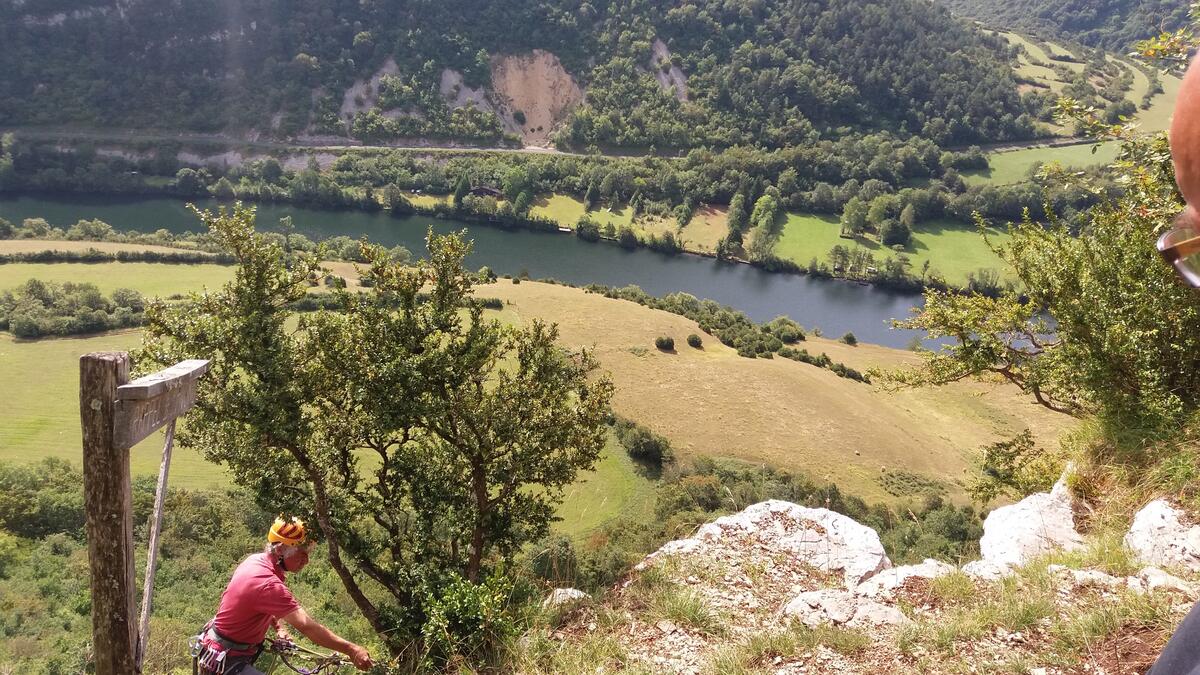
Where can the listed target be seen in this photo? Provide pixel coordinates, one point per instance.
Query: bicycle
(285, 651)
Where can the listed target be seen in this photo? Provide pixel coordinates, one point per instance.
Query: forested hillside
(1111, 24)
(669, 75)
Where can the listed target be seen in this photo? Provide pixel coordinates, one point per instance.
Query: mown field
(952, 249)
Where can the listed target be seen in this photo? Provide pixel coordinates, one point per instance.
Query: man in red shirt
(257, 599)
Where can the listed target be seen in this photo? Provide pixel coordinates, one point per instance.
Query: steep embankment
(779, 588)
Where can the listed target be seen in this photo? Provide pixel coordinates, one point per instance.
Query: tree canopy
(427, 442)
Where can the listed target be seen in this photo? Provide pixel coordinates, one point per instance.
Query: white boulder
(1159, 536)
(821, 538)
(1038, 524)
(562, 597)
(887, 581)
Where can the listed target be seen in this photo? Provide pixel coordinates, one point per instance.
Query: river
(834, 306)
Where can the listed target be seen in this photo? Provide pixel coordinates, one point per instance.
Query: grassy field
(152, 279)
(1158, 116)
(426, 200)
(706, 229)
(953, 249)
(615, 488)
(34, 245)
(1013, 166)
(1155, 118)
(567, 210)
(712, 402)
(41, 384)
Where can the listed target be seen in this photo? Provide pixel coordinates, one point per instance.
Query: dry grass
(706, 229)
(712, 402)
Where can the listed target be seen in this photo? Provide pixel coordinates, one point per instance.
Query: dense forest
(1111, 24)
(758, 73)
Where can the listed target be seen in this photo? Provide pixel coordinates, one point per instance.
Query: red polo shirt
(254, 596)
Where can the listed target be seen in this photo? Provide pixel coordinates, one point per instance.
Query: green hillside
(678, 76)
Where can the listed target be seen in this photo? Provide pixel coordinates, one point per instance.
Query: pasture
(712, 402)
(952, 249)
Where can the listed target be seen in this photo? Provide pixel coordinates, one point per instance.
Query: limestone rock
(841, 607)
(887, 581)
(830, 542)
(1094, 578)
(986, 570)
(565, 596)
(1152, 578)
(1040, 523)
(871, 613)
(1158, 536)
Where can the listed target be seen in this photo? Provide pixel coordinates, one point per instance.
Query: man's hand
(360, 657)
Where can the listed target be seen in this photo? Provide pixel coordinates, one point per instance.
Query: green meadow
(152, 279)
(953, 249)
(1013, 166)
(567, 210)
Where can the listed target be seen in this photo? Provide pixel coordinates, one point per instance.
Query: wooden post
(109, 505)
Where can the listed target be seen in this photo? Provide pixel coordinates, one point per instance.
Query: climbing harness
(211, 653)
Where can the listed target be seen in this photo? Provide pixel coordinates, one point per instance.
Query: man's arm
(313, 630)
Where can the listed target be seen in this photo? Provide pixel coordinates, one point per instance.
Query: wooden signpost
(115, 415)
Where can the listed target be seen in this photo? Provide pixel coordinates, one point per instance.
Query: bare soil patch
(1129, 651)
(536, 85)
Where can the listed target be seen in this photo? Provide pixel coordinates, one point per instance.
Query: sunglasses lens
(1178, 247)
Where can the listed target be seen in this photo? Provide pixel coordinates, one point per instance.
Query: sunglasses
(1180, 247)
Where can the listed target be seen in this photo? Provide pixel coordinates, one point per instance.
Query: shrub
(587, 229)
(466, 621)
(849, 339)
(627, 238)
(665, 343)
(694, 341)
(643, 445)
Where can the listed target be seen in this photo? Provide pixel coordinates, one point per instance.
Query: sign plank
(149, 402)
(179, 375)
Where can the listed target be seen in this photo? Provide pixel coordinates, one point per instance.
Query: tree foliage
(426, 442)
(1104, 326)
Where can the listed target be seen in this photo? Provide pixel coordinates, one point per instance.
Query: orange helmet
(290, 532)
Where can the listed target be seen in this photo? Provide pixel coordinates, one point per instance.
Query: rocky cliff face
(780, 588)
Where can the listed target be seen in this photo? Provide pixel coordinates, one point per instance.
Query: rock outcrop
(1160, 536)
(1038, 524)
(828, 541)
(886, 582)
